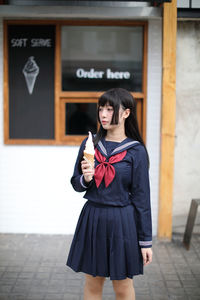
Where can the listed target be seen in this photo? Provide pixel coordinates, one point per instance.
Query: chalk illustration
(30, 71)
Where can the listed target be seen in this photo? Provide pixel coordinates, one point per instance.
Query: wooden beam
(168, 120)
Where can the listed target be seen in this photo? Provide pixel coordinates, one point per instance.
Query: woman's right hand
(87, 170)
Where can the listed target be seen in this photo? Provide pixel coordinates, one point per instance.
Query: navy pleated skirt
(105, 242)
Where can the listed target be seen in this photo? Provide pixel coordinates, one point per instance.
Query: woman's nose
(103, 113)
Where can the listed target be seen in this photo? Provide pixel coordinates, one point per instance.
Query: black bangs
(112, 99)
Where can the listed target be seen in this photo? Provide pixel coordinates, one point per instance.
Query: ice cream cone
(89, 158)
(89, 151)
(30, 71)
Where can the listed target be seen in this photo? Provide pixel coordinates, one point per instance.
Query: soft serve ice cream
(89, 150)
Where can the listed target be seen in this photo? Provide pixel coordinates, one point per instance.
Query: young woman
(113, 237)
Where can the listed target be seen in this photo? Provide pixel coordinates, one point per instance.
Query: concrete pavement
(33, 267)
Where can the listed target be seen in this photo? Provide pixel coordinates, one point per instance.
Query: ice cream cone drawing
(30, 71)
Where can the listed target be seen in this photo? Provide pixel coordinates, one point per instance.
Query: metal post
(190, 222)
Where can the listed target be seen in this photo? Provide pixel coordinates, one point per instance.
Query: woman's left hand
(147, 254)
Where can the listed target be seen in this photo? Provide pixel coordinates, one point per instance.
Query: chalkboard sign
(31, 81)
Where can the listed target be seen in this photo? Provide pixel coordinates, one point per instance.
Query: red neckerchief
(105, 169)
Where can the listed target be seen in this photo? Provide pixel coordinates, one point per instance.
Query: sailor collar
(124, 145)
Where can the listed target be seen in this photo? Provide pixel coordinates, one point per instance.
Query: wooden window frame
(71, 139)
(61, 97)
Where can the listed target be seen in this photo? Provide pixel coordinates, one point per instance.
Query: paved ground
(33, 267)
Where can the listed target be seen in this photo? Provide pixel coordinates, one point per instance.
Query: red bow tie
(105, 169)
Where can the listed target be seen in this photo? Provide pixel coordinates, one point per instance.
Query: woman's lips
(104, 122)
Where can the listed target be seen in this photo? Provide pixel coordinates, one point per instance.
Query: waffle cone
(89, 157)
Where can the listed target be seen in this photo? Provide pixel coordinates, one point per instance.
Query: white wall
(154, 111)
(35, 193)
(187, 147)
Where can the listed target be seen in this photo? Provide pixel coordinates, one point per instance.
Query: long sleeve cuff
(145, 244)
(85, 184)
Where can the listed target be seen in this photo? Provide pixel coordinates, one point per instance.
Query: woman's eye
(110, 109)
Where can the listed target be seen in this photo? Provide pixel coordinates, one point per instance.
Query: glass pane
(183, 3)
(80, 118)
(195, 4)
(96, 58)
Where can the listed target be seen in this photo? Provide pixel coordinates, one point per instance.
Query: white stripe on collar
(103, 149)
(124, 146)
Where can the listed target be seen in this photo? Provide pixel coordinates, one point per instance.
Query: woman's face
(106, 114)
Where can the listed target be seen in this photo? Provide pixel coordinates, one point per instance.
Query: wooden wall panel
(168, 120)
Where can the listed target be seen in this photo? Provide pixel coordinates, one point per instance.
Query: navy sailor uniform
(115, 222)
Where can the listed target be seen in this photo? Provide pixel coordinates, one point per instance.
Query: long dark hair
(116, 97)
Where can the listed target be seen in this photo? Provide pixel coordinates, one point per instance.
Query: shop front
(55, 63)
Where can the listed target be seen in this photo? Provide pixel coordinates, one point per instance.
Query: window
(80, 117)
(96, 58)
(55, 71)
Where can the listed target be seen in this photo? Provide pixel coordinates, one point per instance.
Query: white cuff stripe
(81, 182)
(145, 243)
